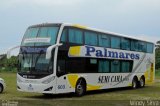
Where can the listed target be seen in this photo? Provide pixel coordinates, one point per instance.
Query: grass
(110, 96)
(157, 73)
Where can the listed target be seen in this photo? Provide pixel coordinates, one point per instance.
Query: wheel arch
(83, 79)
(135, 78)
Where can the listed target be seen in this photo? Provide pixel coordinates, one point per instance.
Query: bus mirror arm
(9, 51)
(157, 45)
(49, 50)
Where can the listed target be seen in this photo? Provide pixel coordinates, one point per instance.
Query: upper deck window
(139, 46)
(115, 42)
(125, 44)
(90, 38)
(64, 35)
(149, 48)
(75, 36)
(104, 40)
(40, 36)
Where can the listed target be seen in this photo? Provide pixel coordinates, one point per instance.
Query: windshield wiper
(41, 52)
(24, 57)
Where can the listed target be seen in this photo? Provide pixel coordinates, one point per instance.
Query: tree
(9, 64)
(158, 55)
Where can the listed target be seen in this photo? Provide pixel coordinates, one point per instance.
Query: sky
(137, 18)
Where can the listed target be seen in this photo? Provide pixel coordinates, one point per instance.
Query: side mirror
(157, 45)
(49, 50)
(9, 51)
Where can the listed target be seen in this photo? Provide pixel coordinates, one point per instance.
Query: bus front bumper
(37, 88)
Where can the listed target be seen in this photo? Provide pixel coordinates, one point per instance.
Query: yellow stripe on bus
(72, 78)
(93, 87)
(74, 51)
(80, 26)
(149, 74)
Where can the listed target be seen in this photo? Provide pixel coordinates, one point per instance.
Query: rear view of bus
(63, 58)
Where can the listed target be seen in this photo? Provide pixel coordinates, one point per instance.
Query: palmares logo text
(105, 53)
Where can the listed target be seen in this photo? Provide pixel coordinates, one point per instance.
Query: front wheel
(80, 88)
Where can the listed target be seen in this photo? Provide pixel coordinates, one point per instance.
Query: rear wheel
(80, 88)
(142, 82)
(135, 83)
(1, 88)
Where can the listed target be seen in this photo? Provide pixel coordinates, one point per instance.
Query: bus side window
(115, 66)
(115, 42)
(134, 45)
(91, 66)
(64, 35)
(149, 48)
(125, 44)
(104, 40)
(75, 36)
(104, 66)
(91, 38)
(142, 46)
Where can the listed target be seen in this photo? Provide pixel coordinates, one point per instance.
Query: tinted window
(125, 44)
(31, 33)
(75, 65)
(64, 35)
(115, 42)
(91, 66)
(134, 45)
(103, 66)
(61, 67)
(142, 46)
(104, 40)
(75, 36)
(125, 66)
(90, 38)
(149, 48)
(138, 46)
(115, 66)
(49, 32)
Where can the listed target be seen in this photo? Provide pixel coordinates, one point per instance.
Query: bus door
(61, 85)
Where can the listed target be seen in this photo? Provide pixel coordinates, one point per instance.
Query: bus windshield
(40, 36)
(32, 56)
(35, 64)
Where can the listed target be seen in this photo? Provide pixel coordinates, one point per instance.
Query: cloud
(131, 17)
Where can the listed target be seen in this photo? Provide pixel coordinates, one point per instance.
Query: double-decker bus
(62, 58)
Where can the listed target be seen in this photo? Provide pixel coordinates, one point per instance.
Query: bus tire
(135, 83)
(80, 87)
(47, 94)
(1, 88)
(142, 82)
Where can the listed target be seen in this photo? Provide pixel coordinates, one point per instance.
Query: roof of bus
(92, 29)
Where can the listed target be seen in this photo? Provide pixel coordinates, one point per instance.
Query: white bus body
(122, 67)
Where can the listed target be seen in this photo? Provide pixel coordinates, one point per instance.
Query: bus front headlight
(19, 80)
(48, 80)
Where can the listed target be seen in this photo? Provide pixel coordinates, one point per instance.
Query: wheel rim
(79, 88)
(134, 84)
(141, 82)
